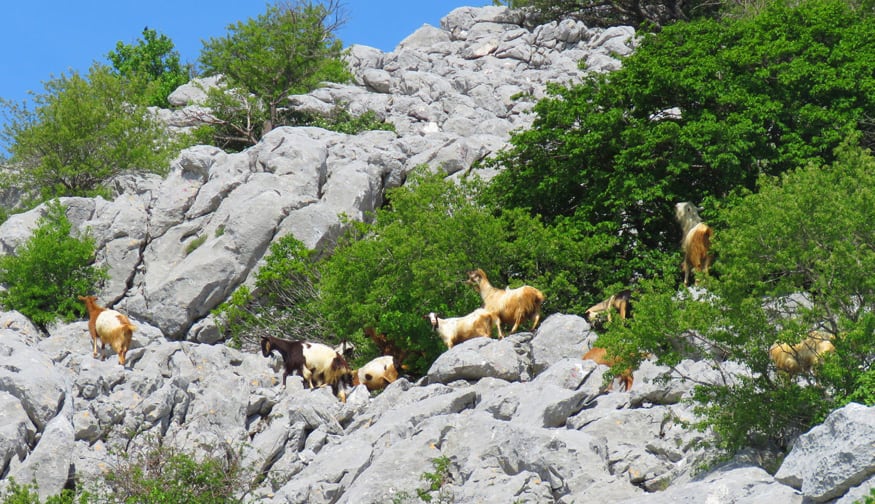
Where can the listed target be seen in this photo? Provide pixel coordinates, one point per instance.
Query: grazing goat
(376, 374)
(621, 301)
(455, 330)
(696, 242)
(600, 356)
(510, 305)
(110, 327)
(803, 356)
(317, 364)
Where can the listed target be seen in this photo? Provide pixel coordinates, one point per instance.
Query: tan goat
(110, 327)
(803, 356)
(512, 306)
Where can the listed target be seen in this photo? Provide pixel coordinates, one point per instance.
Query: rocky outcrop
(522, 419)
(177, 246)
(508, 433)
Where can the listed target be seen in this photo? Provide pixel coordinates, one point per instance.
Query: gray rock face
(177, 247)
(502, 431)
(522, 419)
(833, 457)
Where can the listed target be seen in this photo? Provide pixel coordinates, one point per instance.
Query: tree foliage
(284, 301)
(414, 257)
(794, 256)
(152, 65)
(290, 49)
(83, 131)
(604, 13)
(699, 110)
(49, 271)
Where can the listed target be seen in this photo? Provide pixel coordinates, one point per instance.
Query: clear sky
(41, 39)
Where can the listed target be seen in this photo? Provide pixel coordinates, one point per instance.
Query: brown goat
(696, 242)
(803, 356)
(512, 306)
(600, 356)
(317, 364)
(386, 347)
(621, 301)
(110, 327)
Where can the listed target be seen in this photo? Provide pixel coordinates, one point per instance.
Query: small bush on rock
(49, 270)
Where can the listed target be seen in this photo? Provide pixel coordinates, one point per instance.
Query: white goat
(455, 330)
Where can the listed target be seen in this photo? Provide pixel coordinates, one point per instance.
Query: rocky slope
(522, 419)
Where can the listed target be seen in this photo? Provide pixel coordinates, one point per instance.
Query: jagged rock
(522, 419)
(834, 456)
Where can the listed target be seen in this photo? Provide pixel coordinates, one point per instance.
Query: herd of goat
(320, 365)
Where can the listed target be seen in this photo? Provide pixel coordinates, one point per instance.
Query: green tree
(284, 301)
(794, 256)
(47, 272)
(698, 110)
(652, 14)
(152, 65)
(82, 132)
(290, 49)
(414, 257)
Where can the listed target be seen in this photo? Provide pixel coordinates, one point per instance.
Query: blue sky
(44, 39)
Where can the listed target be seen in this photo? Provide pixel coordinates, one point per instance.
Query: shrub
(413, 259)
(283, 301)
(779, 246)
(155, 472)
(47, 272)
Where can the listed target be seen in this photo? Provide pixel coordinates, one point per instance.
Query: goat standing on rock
(455, 330)
(510, 305)
(696, 241)
(317, 364)
(110, 327)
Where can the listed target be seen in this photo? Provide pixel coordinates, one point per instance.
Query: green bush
(47, 272)
(804, 234)
(157, 473)
(152, 66)
(697, 111)
(290, 49)
(413, 258)
(283, 303)
(28, 494)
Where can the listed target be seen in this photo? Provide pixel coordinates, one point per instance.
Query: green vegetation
(153, 473)
(804, 233)
(436, 481)
(290, 49)
(28, 494)
(284, 300)
(652, 14)
(49, 271)
(698, 111)
(83, 131)
(152, 65)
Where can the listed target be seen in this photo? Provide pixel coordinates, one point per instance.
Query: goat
(455, 330)
(376, 374)
(803, 356)
(621, 301)
(600, 356)
(317, 364)
(510, 305)
(110, 327)
(696, 241)
(386, 347)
